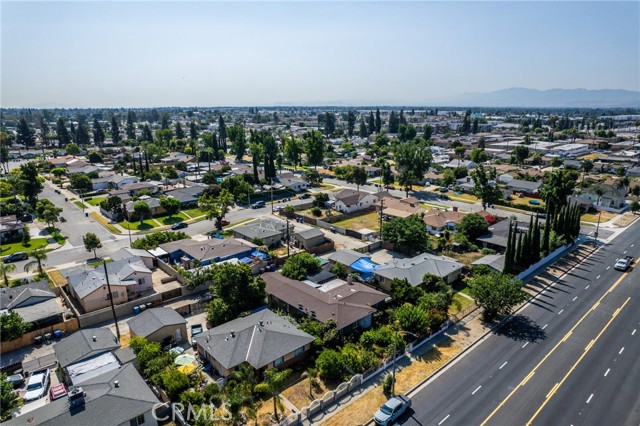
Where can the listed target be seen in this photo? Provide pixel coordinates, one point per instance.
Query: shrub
(297, 267)
(487, 251)
(152, 241)
(386, 384)
(316, 211)
(330, 365)
(412, 319)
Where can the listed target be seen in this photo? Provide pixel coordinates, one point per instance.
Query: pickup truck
(623, 263)
(392, 410)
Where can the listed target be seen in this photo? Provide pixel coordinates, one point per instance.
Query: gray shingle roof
(105, 404)
(415, 268)
(86, 282)
(80, 345)
(253, 343)
(14, 296)
(345, 256)
(152, 320)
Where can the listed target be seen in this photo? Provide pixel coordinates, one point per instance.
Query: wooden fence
(66, 327)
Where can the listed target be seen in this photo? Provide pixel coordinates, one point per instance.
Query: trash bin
(136, 310)
(86, 214)
(57, 334)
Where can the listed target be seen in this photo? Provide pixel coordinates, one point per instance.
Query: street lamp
(393, 374)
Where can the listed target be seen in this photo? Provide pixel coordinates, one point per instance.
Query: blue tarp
(365, 267)
(260, 254)
(246, 260)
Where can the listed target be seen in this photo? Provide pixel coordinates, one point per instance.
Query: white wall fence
(549, 258)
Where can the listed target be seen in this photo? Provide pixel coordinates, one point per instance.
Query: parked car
(391, 410)
(623, 263)
(444, 189)
(305, 196)
(179, 225)
(16, 379)
(258, 205)
(224, 222)
(16, 257)
(26, 218)
(37, 385)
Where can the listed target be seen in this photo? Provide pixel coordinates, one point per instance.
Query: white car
(37, 385)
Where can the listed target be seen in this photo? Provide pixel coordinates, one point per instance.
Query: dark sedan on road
(16, 257)
(179, 225)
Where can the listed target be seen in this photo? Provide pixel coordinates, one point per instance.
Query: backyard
(361, 221)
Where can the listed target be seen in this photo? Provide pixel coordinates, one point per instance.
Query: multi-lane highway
(570, 357)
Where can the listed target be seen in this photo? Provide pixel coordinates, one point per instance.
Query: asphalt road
(560, 361)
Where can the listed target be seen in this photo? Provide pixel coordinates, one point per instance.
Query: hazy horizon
(146, 54)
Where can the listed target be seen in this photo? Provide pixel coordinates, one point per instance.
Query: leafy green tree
(171, 205)
(388, 177)
(238, 141)
(409, 234)
(356, 175)
(314, 148)
(72, 149)
(556, 187)
(112, 204)
(496, 293)
(478, 155)
(146, 135)
(92, 243)
(363, 132)
(193, 132)
(82, 135)
(378, 121)
(142, 210)
(174, 382)
(473, 226)
(293, 150)
(115, 131)
(412, 161)
(30, 183)
(218, 312)
(130, 128)
(237, 287)
(12, 327)
(178, 131)
(330, 365)
(8, 398)
(24, 134)
(62, 134)
(40, 256)
(298, 266)
(521, 153)
(411, 318)
(95, 157)
(312, 176)
(151, 241)
(484, 185)
(5, 270)
(257, 154)
(81, 182)
(216, 208)
(402, 292)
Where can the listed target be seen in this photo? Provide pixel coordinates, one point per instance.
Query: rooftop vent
(76, 398)
(116, 384)
(261, 323)
(94, 338)
(233, 333)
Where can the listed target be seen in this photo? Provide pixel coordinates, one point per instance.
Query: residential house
(162, 325)
(493, 261)
(177, 157)
(34, 302)
(498, 234)
(206, 252)
(415, 268)
(354, 261)
(309, 238)
(528, 188)
(372, 171)
(85, 344)
(128, 278)
(153, 203)
(11, 229)
(117, 397)
(612, 197)
(454, 164)
(262, 340)
(294, 183)
(135, 188)
(127, 253)
(350, 200)
(350, 305)
(114, 181)
(437, 221)
(269, 231)
(405, 207)
(186, 195)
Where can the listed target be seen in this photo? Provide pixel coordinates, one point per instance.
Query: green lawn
(166, 220)
(465, 198)
(193, 213)
(55, 234)
(98, 262)
(80, 204)
(525, 201)
(96, 201)
(16, 247)
(459, 303)
(136, 225)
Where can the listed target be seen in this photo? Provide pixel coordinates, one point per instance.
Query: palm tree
(6, 269)
(273, 384)
(40, 255)
(313, 374)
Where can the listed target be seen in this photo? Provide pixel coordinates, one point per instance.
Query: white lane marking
(598, 277)
(608, 267)
(633, 332)
(574, 299)
(443, 420)
(561, 311)
(523, 346)
(477, 389)
(545, 326)
(620, 353)
(607, 372)
(587, 286)
(632, 245)
(505, 363)
(624, 252)
(590, 396)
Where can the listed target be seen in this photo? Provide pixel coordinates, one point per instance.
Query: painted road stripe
(633, 332)
(608, 267)
(620, 353)
(624, 252)
(477, 389)
(525, 345)
(598, 277)
(589, 399)
(607, 372)
(545, 326)
(443, 420)
(587, 286)
(505, 363)
(561, 311)
(574, 299)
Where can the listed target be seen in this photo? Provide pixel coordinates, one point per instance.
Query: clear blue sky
(263, 53)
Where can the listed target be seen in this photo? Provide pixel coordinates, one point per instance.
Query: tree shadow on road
(521, 328)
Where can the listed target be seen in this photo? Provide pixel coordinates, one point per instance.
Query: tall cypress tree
(372, 123)
(546, 236)
(535, 244)
(378, 121)
(508, 254)
(519, 247)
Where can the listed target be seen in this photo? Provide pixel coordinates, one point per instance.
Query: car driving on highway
(623, 264)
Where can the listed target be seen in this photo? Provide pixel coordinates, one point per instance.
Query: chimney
(455, 208)
(94, 338)
(76, 398)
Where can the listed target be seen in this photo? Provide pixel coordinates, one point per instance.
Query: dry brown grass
(625, 220)
(466, 258)
(104, 222)
(298, 394)
(58, 279)
(593, 217)
(361, 410)
(361, 221)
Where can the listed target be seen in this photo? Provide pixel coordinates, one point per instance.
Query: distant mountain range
(553, 98)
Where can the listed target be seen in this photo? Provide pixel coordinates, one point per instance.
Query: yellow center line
(573, 367)
(526, 379)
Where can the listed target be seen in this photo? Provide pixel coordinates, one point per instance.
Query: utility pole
(113, 309)
(595, 236)
(271, 197)
(129, 229)
(381, 208)
(288, 238)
